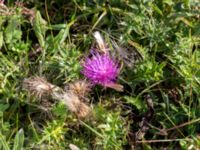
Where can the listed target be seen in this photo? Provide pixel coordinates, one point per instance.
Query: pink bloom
(101, 69)
(1, 1)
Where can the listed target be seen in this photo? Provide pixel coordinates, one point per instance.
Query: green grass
(160, 43)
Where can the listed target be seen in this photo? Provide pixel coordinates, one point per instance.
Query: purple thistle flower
(101, 69)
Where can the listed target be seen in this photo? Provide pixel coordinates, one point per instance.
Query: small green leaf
(1, 39)
(19, 140)
(3, 107)
(3, 143)
(12, 32)
(59, 110)
(39, 26)
(138, 103)
(156, 9)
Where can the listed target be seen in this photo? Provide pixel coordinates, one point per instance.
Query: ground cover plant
(98, 74)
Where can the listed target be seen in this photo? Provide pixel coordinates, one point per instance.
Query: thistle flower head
(74, 104)
(1, 1)
(80, 87)
(100, 69)
(38, 86)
